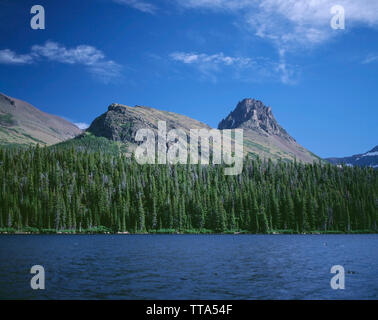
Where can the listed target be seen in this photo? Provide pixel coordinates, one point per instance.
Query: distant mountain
(23, 124)
(263, 136)
(262, 133)
(368, 159)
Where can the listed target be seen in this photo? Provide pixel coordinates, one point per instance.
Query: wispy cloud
(93, 59)
(291, 24)
(370, 59)
(143, 6)
(216, 4)
(215, 59)
(10, 57)
(211, 67)
(82, 54)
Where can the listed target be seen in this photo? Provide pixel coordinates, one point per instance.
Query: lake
(189, 266)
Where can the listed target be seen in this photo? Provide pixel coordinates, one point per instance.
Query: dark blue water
(189, 266)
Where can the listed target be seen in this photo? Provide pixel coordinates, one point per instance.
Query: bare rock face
(253, 114)
(121, 123)
(263, 136)
(118, 124)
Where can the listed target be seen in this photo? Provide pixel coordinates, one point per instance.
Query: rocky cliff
(263, 136)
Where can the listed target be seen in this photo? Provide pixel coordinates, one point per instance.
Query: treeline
(50, 189)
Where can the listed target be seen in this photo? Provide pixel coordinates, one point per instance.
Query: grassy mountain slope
(23, 124)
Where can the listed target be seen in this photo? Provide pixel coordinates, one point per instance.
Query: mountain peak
(263, 136)
(121, 123)
(255, 115)
(248, 104)
(367, 159)
(375, 149)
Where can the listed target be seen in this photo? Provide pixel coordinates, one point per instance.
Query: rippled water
(189, 266)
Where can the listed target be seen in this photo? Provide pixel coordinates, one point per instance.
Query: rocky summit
(121, 123)
(253, 114)
(263, 136)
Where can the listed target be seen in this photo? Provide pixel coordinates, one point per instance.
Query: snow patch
(81, 125)
(369, 154)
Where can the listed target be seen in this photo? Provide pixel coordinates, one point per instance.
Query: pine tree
(141, 217)
(263, 221)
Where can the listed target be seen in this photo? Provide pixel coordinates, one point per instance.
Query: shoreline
(187, 233)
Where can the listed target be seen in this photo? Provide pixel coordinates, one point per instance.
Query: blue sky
(199, 58)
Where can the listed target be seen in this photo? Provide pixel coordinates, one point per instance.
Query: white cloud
(209, 65)
(82, 54)
(90, 57)
(216, 59)
(10, 57)
(291, 24)
(81, 125)
(139, 5)
(242, 68)
(216, 4)
(288, 74)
